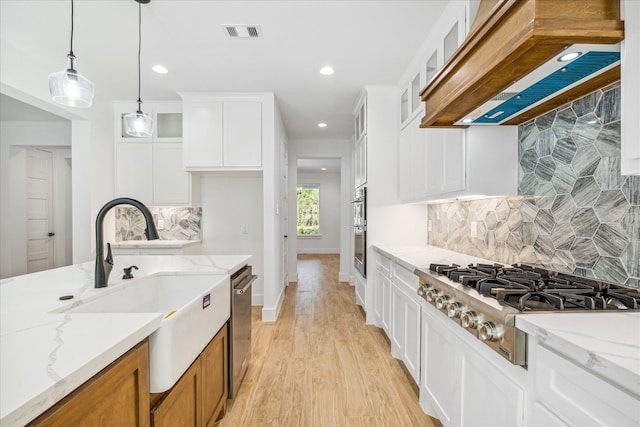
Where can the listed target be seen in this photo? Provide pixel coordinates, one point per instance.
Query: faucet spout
(101, 270)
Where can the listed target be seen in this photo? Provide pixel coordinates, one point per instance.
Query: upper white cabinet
(152, 173)
(447, 35)
(630, 108)
(222, 132)
(448, 163)
(360, 145)
(167, 119)
(150, 169)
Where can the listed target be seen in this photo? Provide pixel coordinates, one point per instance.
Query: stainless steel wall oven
(359, 227)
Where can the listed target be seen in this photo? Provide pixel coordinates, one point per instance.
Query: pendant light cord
(71, 56)
(139, 49)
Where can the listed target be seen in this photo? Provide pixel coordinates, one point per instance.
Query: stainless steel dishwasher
(240, 327)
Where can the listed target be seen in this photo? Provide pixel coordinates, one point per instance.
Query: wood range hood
(508, 47)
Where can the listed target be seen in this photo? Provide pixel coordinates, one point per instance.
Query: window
(308, 202)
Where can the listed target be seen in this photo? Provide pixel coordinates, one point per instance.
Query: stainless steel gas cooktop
(485, 298)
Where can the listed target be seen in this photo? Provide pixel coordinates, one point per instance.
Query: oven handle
(359, 227)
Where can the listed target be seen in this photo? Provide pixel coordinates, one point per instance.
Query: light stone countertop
(145, 244)
(607, 343)
(46, 354)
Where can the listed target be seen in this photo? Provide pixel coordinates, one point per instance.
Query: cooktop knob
(432, 294)
(422, 290)
(454, 309)
(488, 331)
(469, 319)
(442, 301)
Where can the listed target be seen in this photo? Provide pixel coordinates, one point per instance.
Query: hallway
(320, 365)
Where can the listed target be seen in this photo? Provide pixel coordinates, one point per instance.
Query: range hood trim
(505, 56)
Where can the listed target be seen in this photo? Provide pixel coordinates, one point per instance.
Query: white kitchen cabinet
(152, 173)
(568, 393)
(630, 89)
(171, 184)
(448, 163)
(382, 292)
(361, 285)
(463, 382)
(222, 132)
(360, 162)
(431, 162)
(359, 152)
(150, 169)
(134, 171)
(242, 128)
(166, 115)
(405, 319)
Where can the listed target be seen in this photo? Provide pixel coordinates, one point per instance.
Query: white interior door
(285, 214)
(39, 210)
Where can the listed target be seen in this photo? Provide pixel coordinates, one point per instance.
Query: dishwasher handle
(241, 290)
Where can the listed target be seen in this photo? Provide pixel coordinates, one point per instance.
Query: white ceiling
(315, 165)
(367, 42)
(17, 111)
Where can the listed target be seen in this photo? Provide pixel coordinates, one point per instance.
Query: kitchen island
(583, 368)
(47, 353)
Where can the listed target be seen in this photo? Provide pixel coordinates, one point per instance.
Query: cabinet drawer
(579, 397)
(383, 264)
(404, 278)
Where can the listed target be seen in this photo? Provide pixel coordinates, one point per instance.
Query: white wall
(231, 204)
(322, 149)
(15, 139)
(329, 240)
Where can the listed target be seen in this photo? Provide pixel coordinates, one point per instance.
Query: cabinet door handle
(51, 234)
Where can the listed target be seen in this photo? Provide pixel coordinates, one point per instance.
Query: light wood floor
(320, 365)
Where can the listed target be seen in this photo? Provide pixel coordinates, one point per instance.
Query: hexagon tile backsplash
(574, 212)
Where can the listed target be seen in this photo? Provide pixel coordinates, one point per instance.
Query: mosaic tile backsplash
(574, 211)
(173, 223)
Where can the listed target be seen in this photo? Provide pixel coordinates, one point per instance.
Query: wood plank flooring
(320, 365)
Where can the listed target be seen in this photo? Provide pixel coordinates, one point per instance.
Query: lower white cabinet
(152, 173)
(464, 384)
(382, 292)
(567, 393)
(361, 284)
(396, 310)
(405, 320)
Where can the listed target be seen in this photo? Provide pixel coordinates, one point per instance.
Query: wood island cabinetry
(200, 395)
(117, 396)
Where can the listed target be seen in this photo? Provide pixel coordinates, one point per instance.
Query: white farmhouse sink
(194, 306)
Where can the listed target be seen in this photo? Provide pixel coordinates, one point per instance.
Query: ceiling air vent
(243, 31)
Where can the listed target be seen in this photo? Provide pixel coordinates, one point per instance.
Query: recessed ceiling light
(326, 70)
(467, 120)
(322, 125)
(323, 169)
(159, 69)
(569, 56)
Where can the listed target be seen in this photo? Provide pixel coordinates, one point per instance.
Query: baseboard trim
(271, 314)
(343, 277)
(257, 299)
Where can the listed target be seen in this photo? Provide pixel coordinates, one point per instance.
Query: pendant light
(69, 87)
(139, 124)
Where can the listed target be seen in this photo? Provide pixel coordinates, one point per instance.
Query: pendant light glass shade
(69, 87)
(139, 124)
